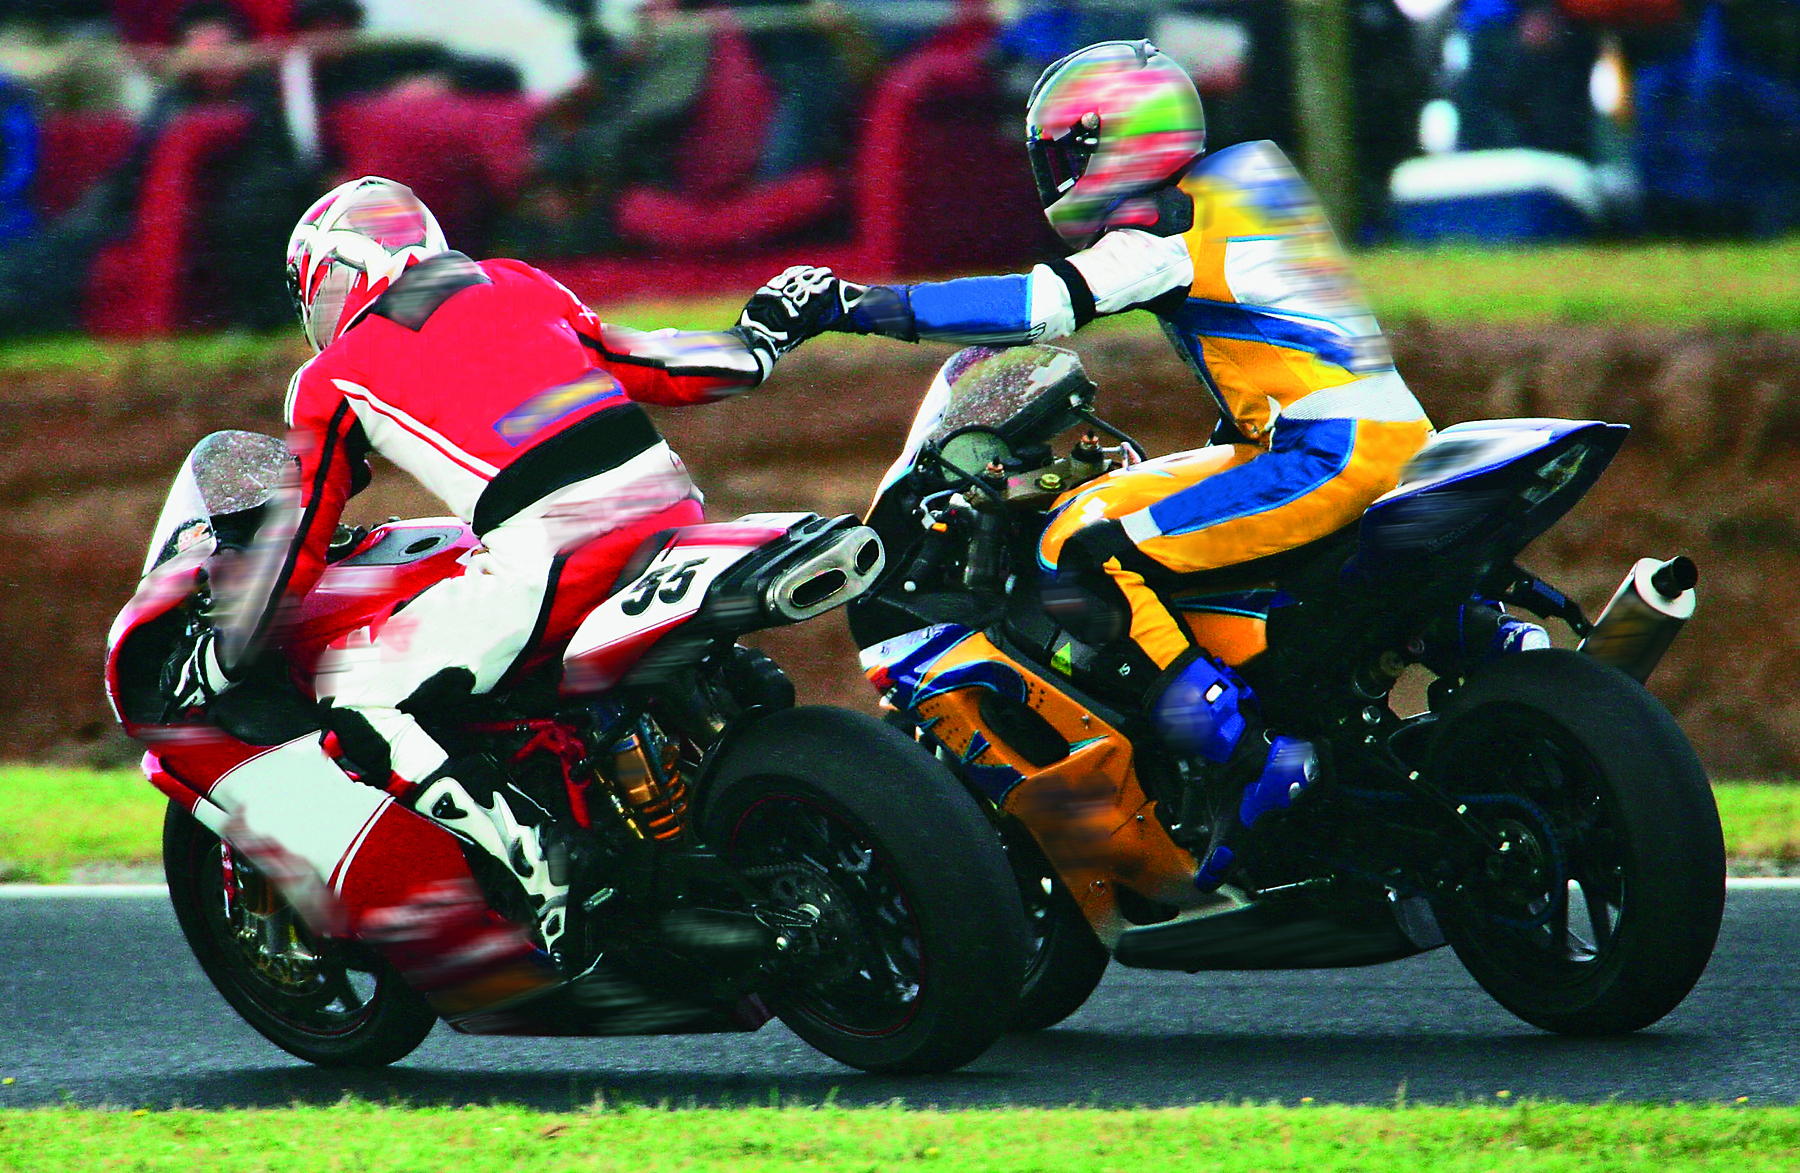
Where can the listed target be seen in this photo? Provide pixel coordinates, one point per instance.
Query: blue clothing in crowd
(18, 161)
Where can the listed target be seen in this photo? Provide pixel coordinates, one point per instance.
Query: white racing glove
(800, 303)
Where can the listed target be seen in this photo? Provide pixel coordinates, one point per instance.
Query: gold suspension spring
(650, 786)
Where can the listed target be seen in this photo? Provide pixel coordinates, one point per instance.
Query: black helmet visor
(1057, 163)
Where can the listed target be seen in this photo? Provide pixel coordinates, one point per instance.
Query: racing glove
(201, 677)
(799, 304)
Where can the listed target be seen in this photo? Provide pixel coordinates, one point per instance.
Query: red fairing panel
(377, 577)
(667, 594)
(349, 595)
(161, 591)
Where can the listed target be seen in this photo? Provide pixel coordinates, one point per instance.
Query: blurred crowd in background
(152, 148)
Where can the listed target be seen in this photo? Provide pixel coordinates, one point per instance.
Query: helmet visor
(1057, 163)
(293, 289)
(328, 302)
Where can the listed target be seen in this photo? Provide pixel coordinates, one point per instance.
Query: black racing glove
(799, 304)
(199, 678)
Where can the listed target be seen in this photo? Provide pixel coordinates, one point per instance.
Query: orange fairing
(1232, 638)
(1085, 808)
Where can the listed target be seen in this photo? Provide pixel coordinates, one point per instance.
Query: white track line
(82, 891)
(140, 891)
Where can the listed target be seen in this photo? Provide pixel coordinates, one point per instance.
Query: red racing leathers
(495, 388)
(506, 397)
(472, 377)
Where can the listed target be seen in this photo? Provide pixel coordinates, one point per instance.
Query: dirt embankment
(1711, 471)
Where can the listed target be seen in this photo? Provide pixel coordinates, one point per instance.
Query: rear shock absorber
(650, 786)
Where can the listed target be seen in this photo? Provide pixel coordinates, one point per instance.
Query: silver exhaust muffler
(843, 566)
(1644, 616)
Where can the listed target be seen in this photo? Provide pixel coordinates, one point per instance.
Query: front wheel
(319, 1000)
(903, 955)
(1597, 910)
(1065, 960)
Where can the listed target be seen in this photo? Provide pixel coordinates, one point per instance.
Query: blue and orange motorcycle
(1544, 816)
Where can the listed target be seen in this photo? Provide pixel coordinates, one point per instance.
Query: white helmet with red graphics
(350, 246)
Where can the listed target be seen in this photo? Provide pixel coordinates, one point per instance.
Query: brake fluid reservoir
(1644, 616)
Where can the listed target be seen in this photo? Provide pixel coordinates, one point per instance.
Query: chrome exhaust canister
(843, 566)
(1644, 616)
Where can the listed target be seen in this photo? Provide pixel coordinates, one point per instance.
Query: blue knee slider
(1202, 710)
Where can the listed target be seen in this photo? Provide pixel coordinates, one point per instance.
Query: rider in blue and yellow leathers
(1233, 254)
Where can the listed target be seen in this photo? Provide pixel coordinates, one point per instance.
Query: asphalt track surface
(101, 1004)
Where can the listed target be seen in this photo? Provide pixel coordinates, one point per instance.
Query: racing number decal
(674, 581)
(668, 592)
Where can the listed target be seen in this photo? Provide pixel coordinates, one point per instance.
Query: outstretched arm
(678, 367)
(1124, 270)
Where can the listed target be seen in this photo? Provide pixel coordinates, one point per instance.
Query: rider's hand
(799, 304)
(202, 676)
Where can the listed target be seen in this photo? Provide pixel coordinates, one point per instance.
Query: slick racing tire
(904, 955)
(325, 1001)
(1599, 911)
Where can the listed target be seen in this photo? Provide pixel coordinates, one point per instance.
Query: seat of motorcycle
(1301, 571)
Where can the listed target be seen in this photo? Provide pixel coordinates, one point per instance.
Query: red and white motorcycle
(873, 907)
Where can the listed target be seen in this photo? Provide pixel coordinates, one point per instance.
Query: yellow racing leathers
(1253, 290)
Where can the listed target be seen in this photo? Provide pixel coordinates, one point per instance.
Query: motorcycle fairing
(1462, 451)
(900, 663)
(1485, 481)
(393, 564)
(666, 594)
(1062, 770)
(1019, 390)
(719, 581)
(229, 472)
(236, 499)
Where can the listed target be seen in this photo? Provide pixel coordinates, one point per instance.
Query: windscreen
(996, 385)
(235, 499)
(986, 386)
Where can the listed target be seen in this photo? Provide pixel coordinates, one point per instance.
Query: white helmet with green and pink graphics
(1105, 127)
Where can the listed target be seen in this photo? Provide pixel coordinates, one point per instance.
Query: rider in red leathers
(499, 391)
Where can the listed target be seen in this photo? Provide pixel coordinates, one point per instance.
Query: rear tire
(913, 965)
(320, 1000)
(1602, 914)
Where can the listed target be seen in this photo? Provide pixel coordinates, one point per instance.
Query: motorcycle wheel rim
(1556, 919)
(808, 850)
(323, 997)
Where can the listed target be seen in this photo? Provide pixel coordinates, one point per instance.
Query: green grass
(1762, 820)
(1745, 286)
(64, 819)
(60, 819)
(1254, 1139)
(202, 353)
(1729, 286)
